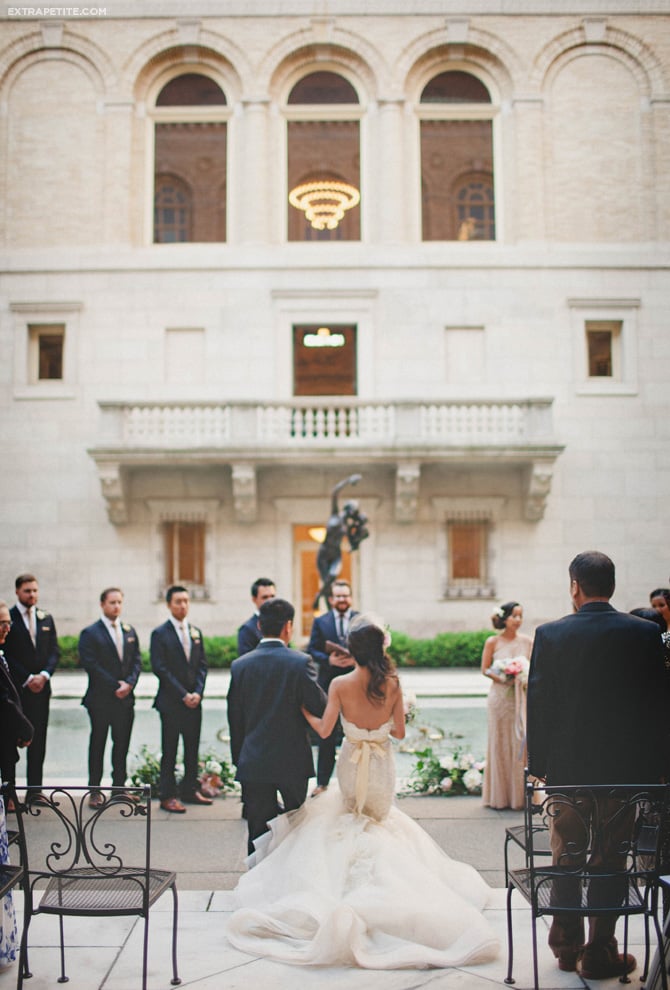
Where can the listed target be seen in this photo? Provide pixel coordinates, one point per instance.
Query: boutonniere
(125, 627)
(195, 635)
(40, 614)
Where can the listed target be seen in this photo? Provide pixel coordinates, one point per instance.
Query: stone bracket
(114, 491)
(407, 479)
(538, 485)
(245, 499)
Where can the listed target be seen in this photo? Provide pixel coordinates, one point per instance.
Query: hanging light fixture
(324, 202)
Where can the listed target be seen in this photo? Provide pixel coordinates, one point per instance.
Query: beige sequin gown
(506, 751)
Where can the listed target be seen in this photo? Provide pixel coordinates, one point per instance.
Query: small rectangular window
(602, 343)
(184, 553)
(324, 360)
(468, 564)
(47, 341)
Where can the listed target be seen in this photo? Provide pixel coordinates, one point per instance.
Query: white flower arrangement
(451, 773)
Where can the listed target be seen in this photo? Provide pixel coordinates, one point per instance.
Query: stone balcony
(406, 434)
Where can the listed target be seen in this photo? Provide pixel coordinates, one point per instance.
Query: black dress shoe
(197, 798)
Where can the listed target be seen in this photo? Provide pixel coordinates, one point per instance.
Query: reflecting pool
(67, 743)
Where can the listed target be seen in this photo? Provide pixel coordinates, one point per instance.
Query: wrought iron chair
(611, 865)
(517, 833)
(82, 845)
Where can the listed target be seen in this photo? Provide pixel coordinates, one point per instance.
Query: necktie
(3, 662)
(118, 639)
(183, 635)
(31, 624)
(341, 621)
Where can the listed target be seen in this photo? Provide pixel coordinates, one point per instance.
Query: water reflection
(67, 743)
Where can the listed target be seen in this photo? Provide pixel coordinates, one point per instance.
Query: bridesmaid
(506, 753)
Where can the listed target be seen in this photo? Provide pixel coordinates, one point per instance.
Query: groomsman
(178, 661)
(109, 652)
(249, 634)
(32, 653)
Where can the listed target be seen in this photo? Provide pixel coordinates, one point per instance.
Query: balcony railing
(299, 423)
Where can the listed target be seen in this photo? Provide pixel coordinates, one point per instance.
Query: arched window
(457, 192)
(190, 160)
(323, 140)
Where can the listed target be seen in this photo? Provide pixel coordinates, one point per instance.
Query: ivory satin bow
(362, 751)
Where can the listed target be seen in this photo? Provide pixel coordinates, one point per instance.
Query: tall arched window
(457, 193)
(190, 160)
(323, 140)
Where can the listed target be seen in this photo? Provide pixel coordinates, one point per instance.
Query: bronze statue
(349, 522)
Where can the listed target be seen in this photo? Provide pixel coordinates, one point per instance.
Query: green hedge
(463, 649)
(448, 649)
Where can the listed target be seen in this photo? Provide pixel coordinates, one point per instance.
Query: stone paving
(207, 847)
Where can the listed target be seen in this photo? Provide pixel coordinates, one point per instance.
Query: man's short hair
(174, 589)
(108, 591)
(273, 616)
(23, 579)
(261, 583)
(340, 583)
(594, 573)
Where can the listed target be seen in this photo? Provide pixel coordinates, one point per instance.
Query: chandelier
(324, 202)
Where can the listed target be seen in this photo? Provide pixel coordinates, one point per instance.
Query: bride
(351, 880)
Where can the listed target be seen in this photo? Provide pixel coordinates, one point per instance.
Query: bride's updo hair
(367, 642)
(502, 614)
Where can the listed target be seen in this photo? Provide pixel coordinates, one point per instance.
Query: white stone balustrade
(404, 434)
(301, 422)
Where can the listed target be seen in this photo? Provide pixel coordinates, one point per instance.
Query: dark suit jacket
(597, 699)
(177, 676)
(268, 733)
(25, 659)
(324, 628)
(248, 636)
(99, 658)
(14, 726)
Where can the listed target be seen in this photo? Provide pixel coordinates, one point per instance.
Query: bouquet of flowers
(410, 706)
(514, 669)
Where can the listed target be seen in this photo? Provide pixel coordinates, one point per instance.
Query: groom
(268, 733)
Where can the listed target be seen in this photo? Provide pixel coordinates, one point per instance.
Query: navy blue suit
(178, 677)
(99, 657)
(248, 636)
(324, 628)
(268, 733)
(25, 659)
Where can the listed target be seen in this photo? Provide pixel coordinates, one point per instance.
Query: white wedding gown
(349, 880)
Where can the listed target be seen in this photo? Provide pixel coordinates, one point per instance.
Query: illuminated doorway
(306, 541)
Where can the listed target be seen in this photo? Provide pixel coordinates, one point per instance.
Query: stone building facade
(190, 366)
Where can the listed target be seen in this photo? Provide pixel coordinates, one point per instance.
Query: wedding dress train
(348, 879)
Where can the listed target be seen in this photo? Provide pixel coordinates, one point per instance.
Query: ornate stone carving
(407, 492)
(538, 486)
(113, 490)
(244, 492)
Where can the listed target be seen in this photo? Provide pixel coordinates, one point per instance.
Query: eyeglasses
(5, 624)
